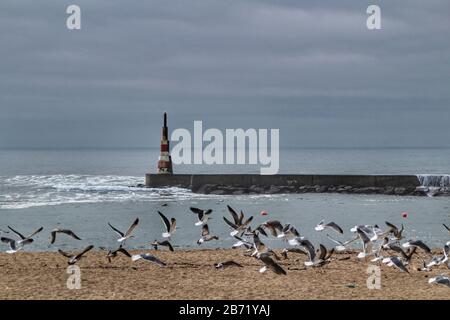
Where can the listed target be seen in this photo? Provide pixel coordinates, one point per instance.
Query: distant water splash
(21, 192)
(434, 184)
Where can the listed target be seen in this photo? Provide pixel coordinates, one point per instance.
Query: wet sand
(191, 275)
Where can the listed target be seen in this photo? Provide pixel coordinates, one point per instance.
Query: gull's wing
(247, 222)
(198, 212)
(70, 233)
(131, 228)
(165, 220)
(35, 233)
(396, 261)
(241, 217)
(65, 254)
(205, 230)
(230, 223)
(234, 214)
(123, 251)
(336, 241)
(309, 248)
(78, 256)
(232, 263)
(52, 237)
(151, 258)
(18, 233)
(168, 244)
(173, 224)
(322, 252)
(120, 233)
(335, 227)
(422, 245)
(448, 229)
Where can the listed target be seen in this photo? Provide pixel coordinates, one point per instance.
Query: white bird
(171, 225)
(238, 225)
(418, 244)
(126, 235)
(148, 257)
(289, 232)
(202, 215)
(396, 262)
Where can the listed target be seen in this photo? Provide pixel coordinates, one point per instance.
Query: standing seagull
(74, 258)
(203, 215)
(126, 235)
(332, 225)
(65, 231)
(206, 236)
(440, 280)
(171, 225)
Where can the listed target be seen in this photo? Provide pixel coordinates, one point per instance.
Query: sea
(84, 189)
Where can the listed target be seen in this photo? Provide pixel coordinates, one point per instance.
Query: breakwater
(290, 183)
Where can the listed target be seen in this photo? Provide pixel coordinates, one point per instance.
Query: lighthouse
(165, 161)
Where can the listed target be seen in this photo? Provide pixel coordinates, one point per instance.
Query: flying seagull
(227, 264)
(332, 225)
(367, 243)
(274, 226)
(126, 235)
(113, 253)
(164, 243)
(396, 262)
(171, 225)
(289, 232)
(206, 236)
(396, 232)
(65, 231)
(269, 263)
(238, 225)
(242, 243)
(16, 245)
(148, 257)
(417, 243)
(203, 215)
(341, 246)
(74, 258)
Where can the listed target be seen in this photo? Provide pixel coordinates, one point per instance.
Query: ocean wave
(21, 192)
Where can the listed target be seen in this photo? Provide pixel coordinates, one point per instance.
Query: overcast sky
(310, 68)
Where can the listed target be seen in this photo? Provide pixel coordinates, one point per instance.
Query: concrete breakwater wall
(288, 183)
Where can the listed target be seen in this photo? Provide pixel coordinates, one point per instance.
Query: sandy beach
(191, 275)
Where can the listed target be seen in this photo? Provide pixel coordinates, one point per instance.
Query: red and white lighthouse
(165, 161)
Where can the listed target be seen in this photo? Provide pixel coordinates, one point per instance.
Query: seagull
(371, 231)
(440, 280)
(65, 231)
(203, 215)
(396, 262)
(170, 226)
(324, 256)
(239, 225)
(289, 232)
(113, 253)
(394, 230)
(274, 227)
(227, 264)
(164, 243)
(206, 236)
(341, 246)
(332, 225)
(367, 243)
(258, 245)
(148, 257)
(310, 250)
(417, 243)
(16, 245)
(242, 243)
(270, 264)
(126, 235)
(74, 258)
